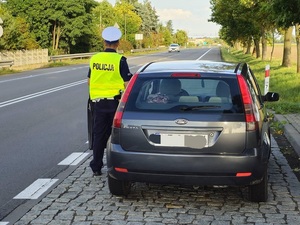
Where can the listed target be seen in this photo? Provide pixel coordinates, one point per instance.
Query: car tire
(118, 187)
(259, 192)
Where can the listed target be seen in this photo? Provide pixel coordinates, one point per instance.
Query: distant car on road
(174, 48)
(191, 122)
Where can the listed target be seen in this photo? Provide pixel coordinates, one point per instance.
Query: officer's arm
(124, 71)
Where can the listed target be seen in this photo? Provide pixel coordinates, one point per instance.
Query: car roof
(190, 66)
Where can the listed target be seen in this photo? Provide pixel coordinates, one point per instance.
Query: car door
(263, 123)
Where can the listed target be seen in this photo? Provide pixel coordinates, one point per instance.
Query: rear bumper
(184, 169)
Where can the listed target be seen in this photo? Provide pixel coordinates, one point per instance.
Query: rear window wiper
(200, 107)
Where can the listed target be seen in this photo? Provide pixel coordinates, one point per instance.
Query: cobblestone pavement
(82, 199)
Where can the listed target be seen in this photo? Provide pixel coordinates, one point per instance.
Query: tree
(148, 16)
(287, 48)
(128, 20)
(169, 26)
(104, 15)
(288, 15)
(154, 40)
(297, 29)
(263, 19)
(16, 34)
(57, 23)
(70, 21)
(149, 21)
(65, 26)
(180, 37)
(35, 13)
(244, 21)
(165, 34)
(237, 21)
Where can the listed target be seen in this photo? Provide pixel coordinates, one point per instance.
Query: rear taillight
(251, 122)
(119, 113)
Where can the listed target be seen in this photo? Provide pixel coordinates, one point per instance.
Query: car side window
(255, 87)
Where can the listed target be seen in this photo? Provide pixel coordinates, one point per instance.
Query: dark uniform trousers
(103, 115)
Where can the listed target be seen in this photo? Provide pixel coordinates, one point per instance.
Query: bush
(126, 46)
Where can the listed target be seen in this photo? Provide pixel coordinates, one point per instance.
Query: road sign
(117, 25)
(138, 37)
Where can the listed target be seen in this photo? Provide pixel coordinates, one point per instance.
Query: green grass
(5, 71)
(66, 62)
(283, 80)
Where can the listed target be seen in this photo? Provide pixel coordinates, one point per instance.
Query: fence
(26, 57)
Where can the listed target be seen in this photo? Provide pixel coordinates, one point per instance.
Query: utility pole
(100, 17)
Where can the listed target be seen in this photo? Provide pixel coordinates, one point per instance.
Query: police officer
(107, 78)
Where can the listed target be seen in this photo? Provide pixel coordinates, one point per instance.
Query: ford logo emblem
(181, 121)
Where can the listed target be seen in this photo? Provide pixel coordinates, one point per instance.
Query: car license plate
(184, 140)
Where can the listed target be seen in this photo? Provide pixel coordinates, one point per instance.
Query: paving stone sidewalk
(82, 199)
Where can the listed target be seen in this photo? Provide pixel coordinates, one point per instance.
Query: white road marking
(73, 159)
(36, 189)
(38, 75)
(3, 223)
(41, 93)
(204, 54)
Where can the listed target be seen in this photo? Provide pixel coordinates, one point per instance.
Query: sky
(189, 15)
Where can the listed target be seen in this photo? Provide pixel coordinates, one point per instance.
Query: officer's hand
(117, 97)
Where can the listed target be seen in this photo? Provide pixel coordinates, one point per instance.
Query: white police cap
(111, 34)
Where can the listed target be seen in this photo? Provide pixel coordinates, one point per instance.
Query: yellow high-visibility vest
(105, 77)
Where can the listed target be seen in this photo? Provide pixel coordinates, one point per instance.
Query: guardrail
(5, 63)
(54, 58)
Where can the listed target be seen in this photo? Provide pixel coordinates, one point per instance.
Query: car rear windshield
(168, 94)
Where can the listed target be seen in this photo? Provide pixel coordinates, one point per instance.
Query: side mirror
(271, 97)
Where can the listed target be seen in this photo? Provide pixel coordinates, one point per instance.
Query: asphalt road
(43, 122)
